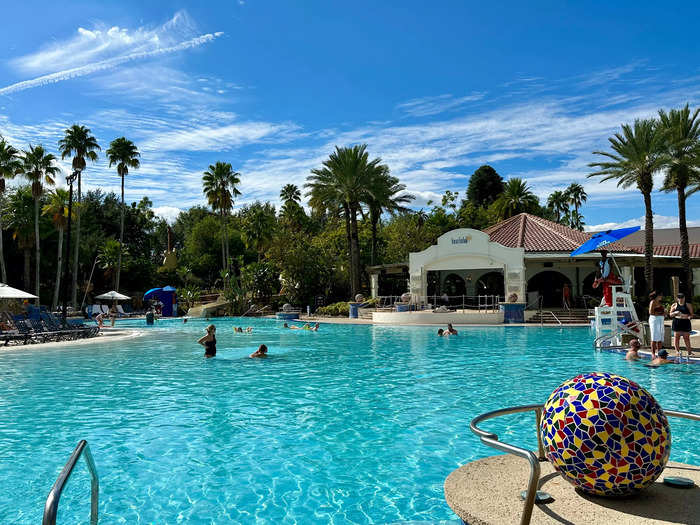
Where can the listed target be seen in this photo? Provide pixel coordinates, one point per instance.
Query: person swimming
(633, 352)
(208, 341)
(450, 330)
(442, 333)
(260, 352)
(661, 359)
(315, 327)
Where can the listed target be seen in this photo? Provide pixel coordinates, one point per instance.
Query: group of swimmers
(306, 326)
(446, 333)
(661, 358)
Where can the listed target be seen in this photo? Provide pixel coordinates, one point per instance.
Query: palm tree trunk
(59, 266)
(687, 285)
(76, 251)
(355, 251)
(374, 218)
(223, 241)
(348, 238)
(37, 283)
(3, 271)
(121, 240)
(648, 243)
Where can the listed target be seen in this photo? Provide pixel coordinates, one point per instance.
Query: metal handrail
(555, 317)
(51, 506)
(490, 439)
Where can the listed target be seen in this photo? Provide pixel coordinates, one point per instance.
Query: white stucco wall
(467, 249)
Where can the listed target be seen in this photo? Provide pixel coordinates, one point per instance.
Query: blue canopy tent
(167, 296)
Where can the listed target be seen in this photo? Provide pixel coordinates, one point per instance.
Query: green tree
(576, 195)
(38, 168)
(472, 216)
(259, 224)
(111, 257)
(342, 183)
(78, 142)
(220, 186)
(637, 157)
(57, 209)
(10, 165)
(681, 132)
(125, 155)
(21, 203)
(385, 194)
(485, 185)
(575, 220)
(558, 202)
(290, 192)
(517, 197)
(260, 279)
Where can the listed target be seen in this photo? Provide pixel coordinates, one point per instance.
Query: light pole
(70, 179)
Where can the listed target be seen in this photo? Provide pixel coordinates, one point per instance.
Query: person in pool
(681, 313)
(633, 351)
(450, 330)
(661, 359)
(315, 327)
(208, 341)
(442, 333)
(260, 352)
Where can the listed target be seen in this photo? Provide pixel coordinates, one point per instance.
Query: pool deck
(487, 492)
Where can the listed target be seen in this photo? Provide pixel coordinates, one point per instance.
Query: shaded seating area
(42, 329)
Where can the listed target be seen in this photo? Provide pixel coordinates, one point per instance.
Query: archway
(490, 283)
(454, 285)
(549, 285)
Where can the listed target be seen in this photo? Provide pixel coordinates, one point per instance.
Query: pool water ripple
(353, 424)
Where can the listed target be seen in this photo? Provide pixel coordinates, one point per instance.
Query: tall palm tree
(110, 257)
(517, 197)
(57, 209)
(10, 165)
(558, 202)
(290, 192)
(220, 186)
(637, 157)
(681, 130)
(79, 142)
(259, 227)
(125, 155)
(21, 221)
(576, 195)
(343, 182)
(38, 168)
(575, 220)
(385, 193)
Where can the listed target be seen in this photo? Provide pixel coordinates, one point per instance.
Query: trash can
(353, 313)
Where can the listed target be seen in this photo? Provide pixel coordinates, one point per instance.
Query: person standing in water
(681, 313)
(633, 352)
(260, 352)
(208, 341)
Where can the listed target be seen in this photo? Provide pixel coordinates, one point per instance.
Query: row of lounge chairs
(95, 309)
(18, 329)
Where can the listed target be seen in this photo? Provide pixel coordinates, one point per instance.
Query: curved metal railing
(490, 439)
(51, 506)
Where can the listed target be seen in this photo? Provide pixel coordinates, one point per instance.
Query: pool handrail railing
(490, 439)
(51, 506)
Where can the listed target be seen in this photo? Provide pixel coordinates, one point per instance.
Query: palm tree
(110, 258)
(78, 142)
(220, 187)
(125, 155)
(681, 131)
(517, 197)
(558, 202)
(576, 195)
(385, 193)
(637, 157)
(57, 209)
(343, 182)
(290, 192)
(21, 221)
(259, 227)
(10, 165)
(575, 220)
(38, 167)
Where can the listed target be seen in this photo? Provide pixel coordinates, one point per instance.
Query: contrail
(88, 69)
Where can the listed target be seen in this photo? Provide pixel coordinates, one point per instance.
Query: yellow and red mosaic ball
(605, 434)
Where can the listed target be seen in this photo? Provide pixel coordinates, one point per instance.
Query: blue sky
(434, 88)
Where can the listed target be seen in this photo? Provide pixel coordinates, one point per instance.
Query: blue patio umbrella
(149, 292)
(601, 239)
(169, 289)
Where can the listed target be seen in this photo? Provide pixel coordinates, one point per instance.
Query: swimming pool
(352, 424)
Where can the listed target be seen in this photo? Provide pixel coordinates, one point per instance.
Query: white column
(374, 284)
(628, 278)
(696, 281)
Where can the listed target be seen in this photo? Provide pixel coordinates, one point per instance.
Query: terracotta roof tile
(673, 250)
(536, 234)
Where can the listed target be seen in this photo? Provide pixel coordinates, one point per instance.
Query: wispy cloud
(426, 106)
(660, 221)
(99, 49)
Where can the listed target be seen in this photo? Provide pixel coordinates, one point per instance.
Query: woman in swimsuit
(656, 322)
(681, 313)
(208, 341)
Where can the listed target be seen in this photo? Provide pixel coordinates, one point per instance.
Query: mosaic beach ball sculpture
(605, 434)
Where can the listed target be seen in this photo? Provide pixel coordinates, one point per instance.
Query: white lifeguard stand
(612, 322)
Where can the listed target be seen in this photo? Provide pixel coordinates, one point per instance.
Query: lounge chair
(121, 312)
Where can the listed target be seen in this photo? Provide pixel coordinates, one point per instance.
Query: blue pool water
(353, 424)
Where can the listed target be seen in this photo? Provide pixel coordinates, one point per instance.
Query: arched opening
(490, 283)
(548, 285)
(454, 285)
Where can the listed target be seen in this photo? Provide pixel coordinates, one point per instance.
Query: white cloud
(425, 106)
(660, 221)
(99, 49)
(169, 213)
